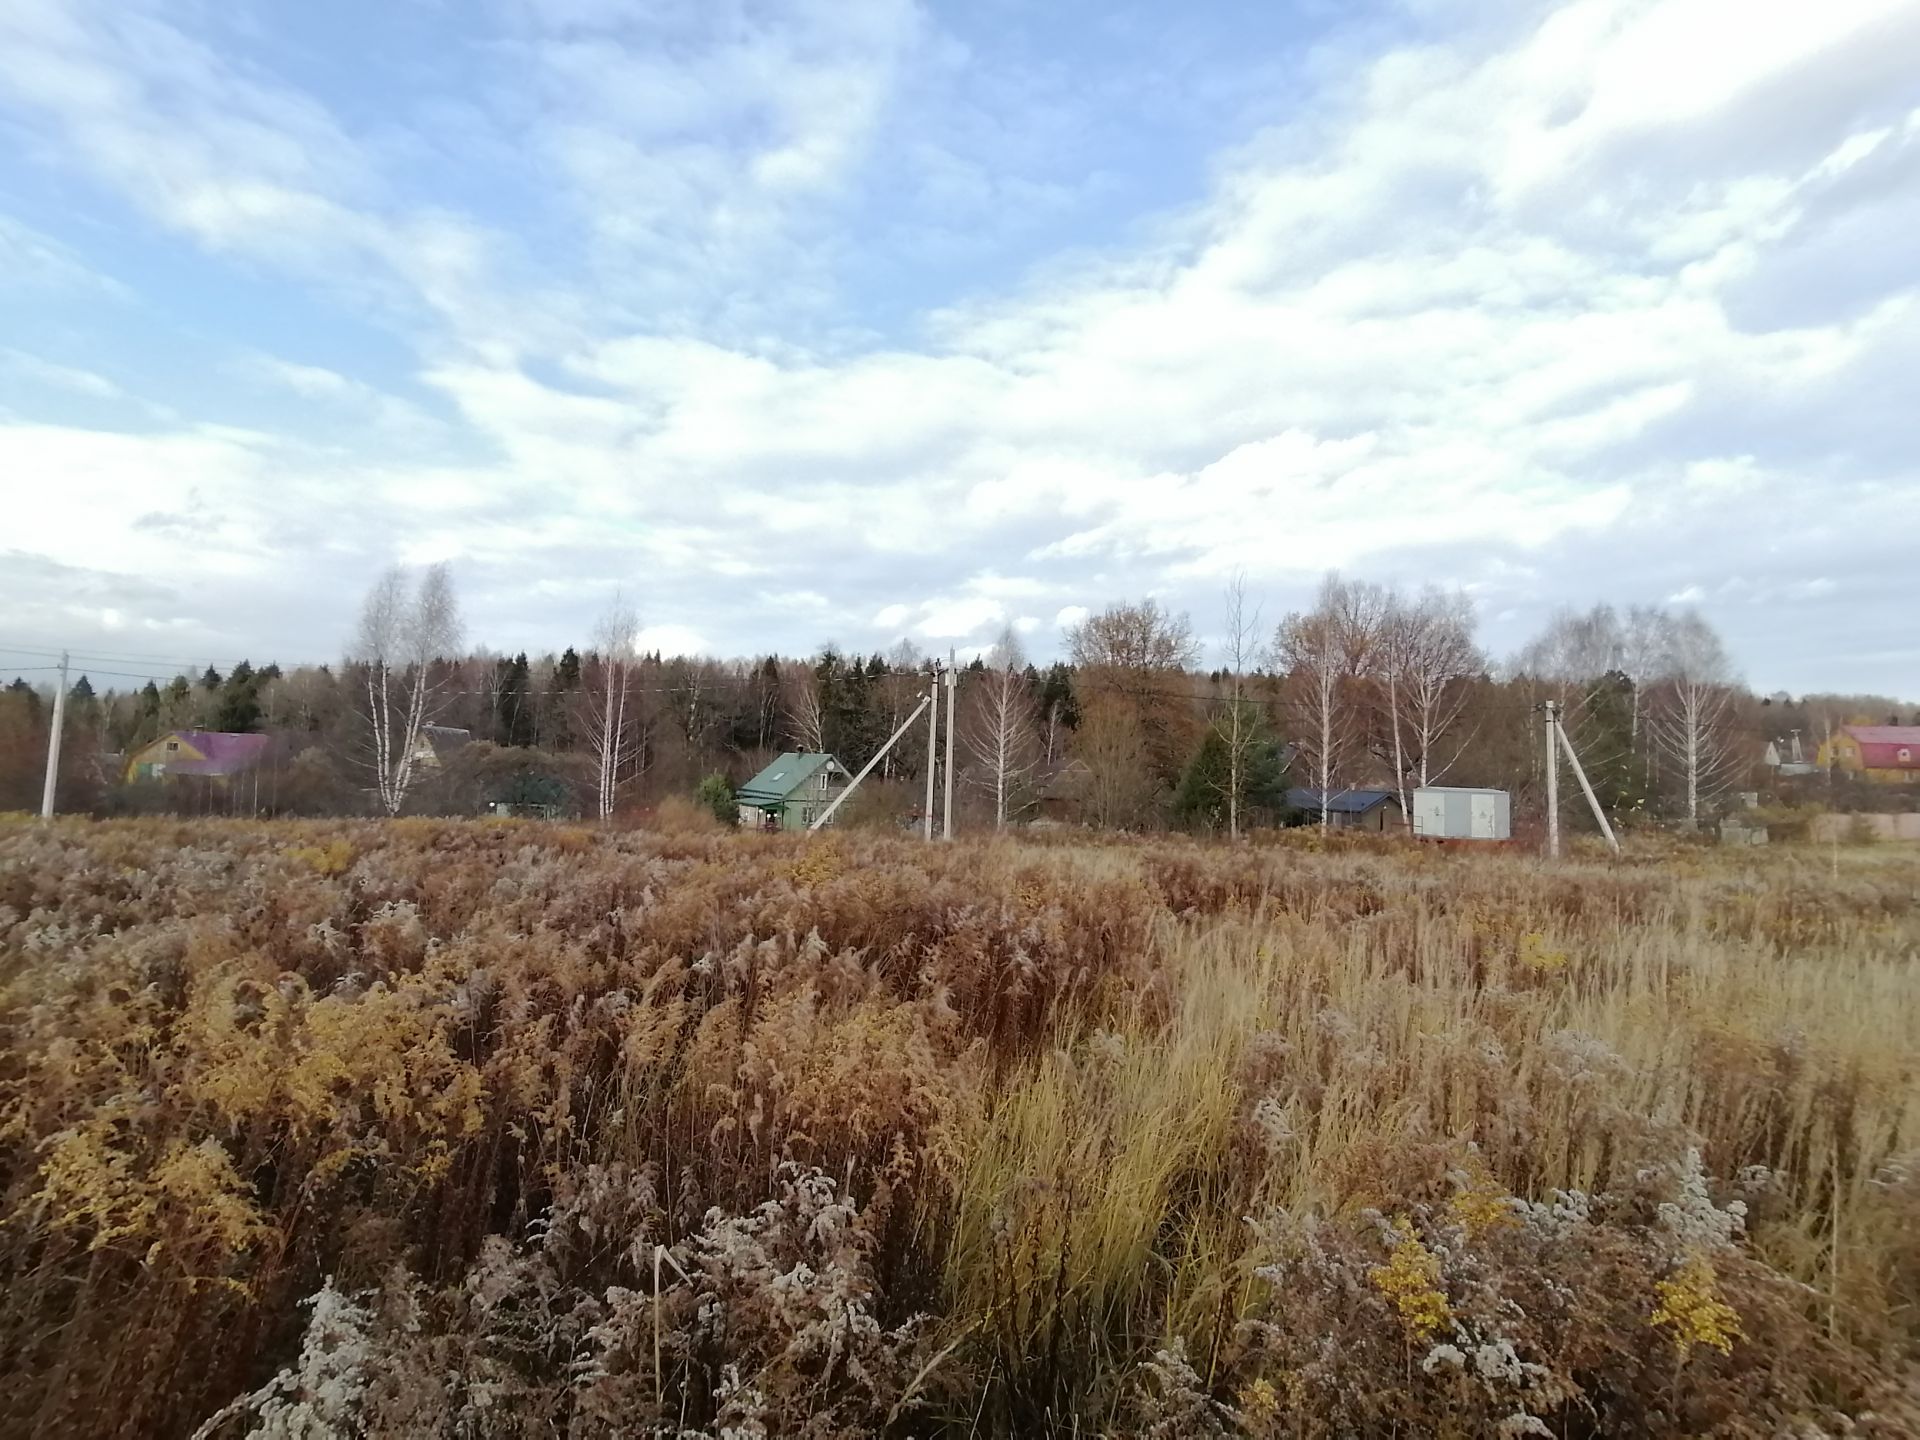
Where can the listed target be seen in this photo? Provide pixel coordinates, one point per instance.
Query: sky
(862, 320)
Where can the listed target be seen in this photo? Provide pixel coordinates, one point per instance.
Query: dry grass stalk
(697, 1134)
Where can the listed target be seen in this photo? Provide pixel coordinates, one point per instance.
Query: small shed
(792, 792)
(1349, 809)
(1462, 812)
(529, 795)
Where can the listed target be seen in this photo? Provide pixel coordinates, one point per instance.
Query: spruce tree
(513, 717)
(239, 711)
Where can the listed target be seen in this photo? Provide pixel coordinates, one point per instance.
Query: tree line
(1138, 725)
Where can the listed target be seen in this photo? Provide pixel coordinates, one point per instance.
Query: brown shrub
(466, 1127)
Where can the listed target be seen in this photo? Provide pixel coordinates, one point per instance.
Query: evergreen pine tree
(1605, 739)
(30, 698)
(1200, 802)
(1057, 697)
(239, 711)
(514, 718)
(560, 727)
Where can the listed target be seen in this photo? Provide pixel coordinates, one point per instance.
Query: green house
(529, 795)
(792, 792)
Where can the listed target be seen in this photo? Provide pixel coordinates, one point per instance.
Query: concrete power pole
(866, 770)
(53, 742)
(953, 685)
(933, 751)
(1586, 787)
(1553, 781)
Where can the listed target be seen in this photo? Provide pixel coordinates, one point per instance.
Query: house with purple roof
(214, 754)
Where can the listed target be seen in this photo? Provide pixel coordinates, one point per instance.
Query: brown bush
(498, 1128)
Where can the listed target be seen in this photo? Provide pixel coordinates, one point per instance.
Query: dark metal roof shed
(1341, 802)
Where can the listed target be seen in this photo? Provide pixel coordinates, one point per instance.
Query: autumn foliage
(513, 1129)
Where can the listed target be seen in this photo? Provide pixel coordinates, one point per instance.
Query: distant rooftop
(1341, 802)
(226, 753)
(784, 776)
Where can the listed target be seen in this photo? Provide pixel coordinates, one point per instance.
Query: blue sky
(866, 320)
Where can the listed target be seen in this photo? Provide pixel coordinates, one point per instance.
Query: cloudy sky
(849, 320)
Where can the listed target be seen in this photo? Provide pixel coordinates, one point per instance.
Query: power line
(87, 671)
(134, 657)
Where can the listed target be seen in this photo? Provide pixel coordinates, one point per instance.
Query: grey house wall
(803, 804)
(806, 804)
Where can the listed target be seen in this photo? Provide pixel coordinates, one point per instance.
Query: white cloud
(312, 381)
(31, 261)
(1578, 283)
(63, 377)
(957, 619)
(241, 165)
(697, 152)
(671, 640)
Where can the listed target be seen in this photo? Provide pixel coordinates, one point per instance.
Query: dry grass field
(474, 1129)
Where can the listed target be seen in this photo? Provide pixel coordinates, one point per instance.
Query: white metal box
(1459, 812)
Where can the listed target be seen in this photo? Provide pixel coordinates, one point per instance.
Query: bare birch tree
(1576, 647)
(1237, 721)
(1690, 723)
(1426, 658)
(905, 683)
(402, 632)
(1591, 658)
(1326, 654)
(1001, 729)
(607, 693)
(805, 713)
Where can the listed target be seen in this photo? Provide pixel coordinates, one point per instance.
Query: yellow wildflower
(1411, 1280)
(820, 862)
(1481, 1204)
(1259, 1402)
(1690, 1305)
(1537, 956)
(332, 858)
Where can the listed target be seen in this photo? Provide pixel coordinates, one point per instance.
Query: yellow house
(1885, 754)
(212, 753)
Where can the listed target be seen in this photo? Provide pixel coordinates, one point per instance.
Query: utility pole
(1553, 781)
(879, 755)
(1580, 774)
(933, 752)
(53, 742)
(953, 685)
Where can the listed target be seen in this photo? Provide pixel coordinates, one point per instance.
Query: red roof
(1886, 747)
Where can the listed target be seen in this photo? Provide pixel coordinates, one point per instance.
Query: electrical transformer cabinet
(1459, 812)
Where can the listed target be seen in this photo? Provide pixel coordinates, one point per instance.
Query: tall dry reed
(438, 1127)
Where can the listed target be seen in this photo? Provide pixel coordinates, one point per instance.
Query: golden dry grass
(502, 1128)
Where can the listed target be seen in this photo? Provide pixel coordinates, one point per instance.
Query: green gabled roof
(779, 780)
